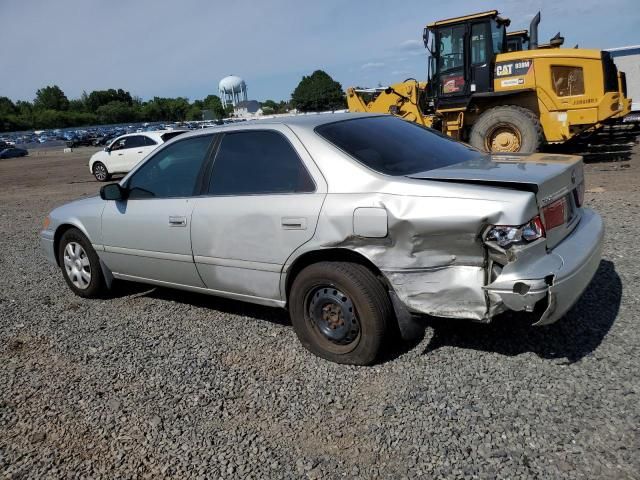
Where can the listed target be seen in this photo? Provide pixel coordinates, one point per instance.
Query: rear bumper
(46, 245)
(560, 276)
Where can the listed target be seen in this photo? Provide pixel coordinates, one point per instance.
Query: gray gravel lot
(154, 383)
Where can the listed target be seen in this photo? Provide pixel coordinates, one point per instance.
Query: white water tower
(233, 90)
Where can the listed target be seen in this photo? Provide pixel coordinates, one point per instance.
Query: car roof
(306, 122)
(154, 134)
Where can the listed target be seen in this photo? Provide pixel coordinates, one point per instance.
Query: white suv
(126, 151)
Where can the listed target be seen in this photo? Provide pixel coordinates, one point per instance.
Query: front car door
(262, 202)
(147, 236)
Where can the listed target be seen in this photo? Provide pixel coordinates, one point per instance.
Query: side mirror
(113, 191)
(107, 149)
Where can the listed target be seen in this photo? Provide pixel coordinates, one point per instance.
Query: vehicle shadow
(573, 337)
(225, 305)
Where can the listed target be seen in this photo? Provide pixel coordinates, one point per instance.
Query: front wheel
(100, 172)
(80, 264)
(508, 128)
(340, 311)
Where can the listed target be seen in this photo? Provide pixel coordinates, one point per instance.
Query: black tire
(358, 290)
(100, 172)
(96, 285)
(522, 122)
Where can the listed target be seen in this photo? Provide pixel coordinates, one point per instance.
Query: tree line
(51, 108)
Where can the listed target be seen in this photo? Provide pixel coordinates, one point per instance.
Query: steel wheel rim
(504, 138)
(77, 265)
(333, 317)
(100, 172)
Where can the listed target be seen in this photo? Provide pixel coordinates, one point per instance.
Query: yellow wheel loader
(499, 100)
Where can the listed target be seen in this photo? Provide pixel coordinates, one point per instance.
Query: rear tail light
(557, 213)
(506, 235)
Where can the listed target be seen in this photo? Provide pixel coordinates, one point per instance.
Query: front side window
(567, 81)
(258, 162)
(172, 172)
(396, 147)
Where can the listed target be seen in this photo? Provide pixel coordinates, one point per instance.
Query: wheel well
(57, 236)
(329, 255)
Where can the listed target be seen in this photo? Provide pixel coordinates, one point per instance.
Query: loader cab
(463, 52)
(517, 41)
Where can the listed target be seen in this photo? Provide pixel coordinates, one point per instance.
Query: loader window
(392, 146)
(451, 60)
(479, 36)
(567, 80)
(451, 51)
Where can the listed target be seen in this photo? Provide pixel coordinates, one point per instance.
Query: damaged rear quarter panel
(432, 257)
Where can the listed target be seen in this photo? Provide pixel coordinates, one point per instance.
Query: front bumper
(560, 275)
(47, 247)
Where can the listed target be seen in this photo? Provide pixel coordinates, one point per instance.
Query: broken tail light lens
(506, 235)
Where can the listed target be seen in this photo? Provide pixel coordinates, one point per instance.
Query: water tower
(233, 90)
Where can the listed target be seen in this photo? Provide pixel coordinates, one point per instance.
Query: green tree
(98, 98)
(213, 103)
(116, 112)
(51, 98)
(7, 107)
(318, 92)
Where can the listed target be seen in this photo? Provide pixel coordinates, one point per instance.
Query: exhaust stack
(533, 32)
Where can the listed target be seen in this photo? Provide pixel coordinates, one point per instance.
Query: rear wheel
(340, 311)
(507, 129)
(100, 172)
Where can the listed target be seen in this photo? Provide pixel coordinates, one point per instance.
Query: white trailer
(627, 59)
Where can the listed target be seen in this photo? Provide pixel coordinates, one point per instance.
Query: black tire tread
(372, 291)
(476, 137)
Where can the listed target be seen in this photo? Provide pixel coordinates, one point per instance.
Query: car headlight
(507, 235)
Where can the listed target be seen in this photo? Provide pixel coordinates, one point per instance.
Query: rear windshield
(396, 147)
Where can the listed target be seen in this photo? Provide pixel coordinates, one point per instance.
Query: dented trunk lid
(552, 178)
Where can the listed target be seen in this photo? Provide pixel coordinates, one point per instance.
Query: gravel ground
(154, 383)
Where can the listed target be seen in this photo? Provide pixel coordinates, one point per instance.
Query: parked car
(13, 152)
(352, 222)
(126, 151)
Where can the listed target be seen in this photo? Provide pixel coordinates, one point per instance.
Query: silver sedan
(357, 224)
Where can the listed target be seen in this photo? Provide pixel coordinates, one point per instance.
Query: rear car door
(262, 202)
(147, 236)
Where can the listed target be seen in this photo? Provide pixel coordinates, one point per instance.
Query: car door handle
(120, 154)
(177, 221)
(140, 151)
(293, 223)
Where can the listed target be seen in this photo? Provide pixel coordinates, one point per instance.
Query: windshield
(396, 147)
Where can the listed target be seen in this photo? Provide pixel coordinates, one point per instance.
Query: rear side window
(396, 147)
(258, 162)
(149, 142)
(168, 136)
(172, 172)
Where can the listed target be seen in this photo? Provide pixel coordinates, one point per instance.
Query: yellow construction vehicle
(499, 100)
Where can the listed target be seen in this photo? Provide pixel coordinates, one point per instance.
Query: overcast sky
(183, 48)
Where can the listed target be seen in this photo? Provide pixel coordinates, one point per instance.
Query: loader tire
(508, 128)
